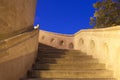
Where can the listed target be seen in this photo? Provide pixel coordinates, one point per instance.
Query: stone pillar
(16, 16)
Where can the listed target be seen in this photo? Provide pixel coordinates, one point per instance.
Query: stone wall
(17, 55)
(18, 40)
(56, 40)
(16, 16)
(103, 44)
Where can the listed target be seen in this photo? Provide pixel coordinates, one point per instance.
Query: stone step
(68, 67)
(47, 52)
(51, 54)
(52, 50)
(62, 54)
(70, 79)
(60, 51)
(55, 49)
(46, 47)
(77, 62)
(67, 70)
(72, 74)
(62, 64)
(78, 56)
(67, 57)
(42, 46)
(67, 61)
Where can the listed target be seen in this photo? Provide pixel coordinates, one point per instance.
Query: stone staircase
(56, 64)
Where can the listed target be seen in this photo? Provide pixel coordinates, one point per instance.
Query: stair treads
(72, 74)
(69, 67)
(71, 79)
(62, 64)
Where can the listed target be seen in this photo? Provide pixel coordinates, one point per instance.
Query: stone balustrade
(56, 40)
(103, 44)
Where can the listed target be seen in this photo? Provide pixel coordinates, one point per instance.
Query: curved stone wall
(16, 16)
(17, 55)
(56, 40)
(18, 40)
(103, 44)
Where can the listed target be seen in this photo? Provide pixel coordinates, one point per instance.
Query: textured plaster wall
(103, 44)
(16, 16)
(17, 55)
(18, 40)
(56, 40)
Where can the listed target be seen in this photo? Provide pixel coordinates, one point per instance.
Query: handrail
(12, 41)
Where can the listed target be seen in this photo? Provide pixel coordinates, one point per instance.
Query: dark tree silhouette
(107, 14)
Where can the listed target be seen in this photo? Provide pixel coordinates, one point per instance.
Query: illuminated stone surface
(16, 16)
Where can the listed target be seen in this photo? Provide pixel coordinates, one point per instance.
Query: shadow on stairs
(59, 64)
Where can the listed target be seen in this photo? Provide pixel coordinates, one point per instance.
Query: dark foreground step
(63, 56)
(67, 57)
(57, 53)
(50, 56)
(52, 50)
(67, 70)
(64, 59)
(68, 67)
(71, 74)
(60, 51)
(48, 53)
(67, 61)
(70, 79)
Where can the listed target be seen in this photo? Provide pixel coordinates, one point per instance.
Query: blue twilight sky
(64, 16)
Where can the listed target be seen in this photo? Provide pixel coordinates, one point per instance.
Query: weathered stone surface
(103, 44)
(17, 55)
(84, 70)
(60, 41)
(16, 16)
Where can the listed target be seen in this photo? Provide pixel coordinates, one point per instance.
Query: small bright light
(36, 27)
